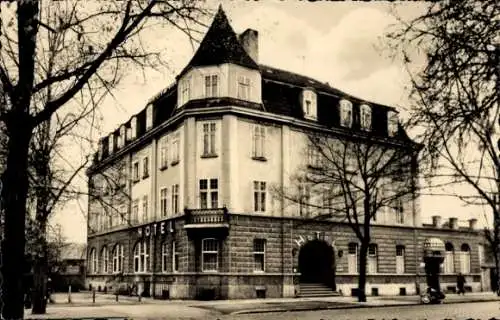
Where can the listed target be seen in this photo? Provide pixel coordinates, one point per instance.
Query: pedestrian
(460, 284)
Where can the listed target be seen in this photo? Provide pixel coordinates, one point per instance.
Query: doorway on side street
(317, 263)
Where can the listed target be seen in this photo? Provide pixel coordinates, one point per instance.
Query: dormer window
(118, 141)
(111, 141)
(133, 126)
(365, 117)
(345, 113)
(101, 150)
(243, 88)
(123, 136)
(211, 85)
(185, 91)
(392, 123)
(149, 117)
(309, 104)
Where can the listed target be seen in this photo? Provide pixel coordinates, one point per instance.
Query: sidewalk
(106, 306)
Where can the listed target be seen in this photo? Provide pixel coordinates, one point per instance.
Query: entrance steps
(316, 290)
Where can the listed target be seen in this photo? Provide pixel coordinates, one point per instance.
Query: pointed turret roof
(220, 45)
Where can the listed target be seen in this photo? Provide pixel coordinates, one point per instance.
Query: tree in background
(52, 55)
(455, 98)
(354, 179)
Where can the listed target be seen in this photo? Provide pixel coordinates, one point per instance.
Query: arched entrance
(316, 263)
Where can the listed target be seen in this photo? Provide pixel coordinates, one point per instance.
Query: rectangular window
(210, 254)
(209, 138)
(123, 176)
(209, 194)
(145, 208)
(175, 198)
(175, 149)
(259, 254)
(345, 113)
(211, 86)
(243, 88)
(184, 90)
(123, 214)
(164, 257)
(175, 258)
(145, 167)
(352, 258)
(163, 202)
(305, 199)
(259, 196)
(135, 211)
(259, 138)
(164, 153)
(400, 259)
(314, 156)
(135, 171)
(372, 259)
(400, 218)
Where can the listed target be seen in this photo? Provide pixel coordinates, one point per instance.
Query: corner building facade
(182, 203)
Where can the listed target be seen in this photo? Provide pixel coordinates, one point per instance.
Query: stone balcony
(209, 222)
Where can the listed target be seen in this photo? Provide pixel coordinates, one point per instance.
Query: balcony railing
(208, 217)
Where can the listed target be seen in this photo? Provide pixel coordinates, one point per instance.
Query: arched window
(118, 258)
(372, 258)
(141, 257)
(352, 257)
(449, 258)
(365, 117)
(104, 259)
(400, 259)
(210, 255)
(465, 258)
(345, 113)
(93, 261)
(164, 256)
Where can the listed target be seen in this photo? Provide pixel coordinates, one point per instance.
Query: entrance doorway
(317, 263)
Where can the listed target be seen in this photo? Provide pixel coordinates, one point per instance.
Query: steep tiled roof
(220, 45)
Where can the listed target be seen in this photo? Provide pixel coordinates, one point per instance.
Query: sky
(336, 42)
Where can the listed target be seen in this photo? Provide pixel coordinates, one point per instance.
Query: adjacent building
(182, 207)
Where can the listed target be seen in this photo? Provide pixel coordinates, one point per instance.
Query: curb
(354, 306)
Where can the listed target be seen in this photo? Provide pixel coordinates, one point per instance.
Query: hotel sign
(157, 228)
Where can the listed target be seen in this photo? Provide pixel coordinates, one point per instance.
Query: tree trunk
(363, 251)
(40, 285)
(14, 194)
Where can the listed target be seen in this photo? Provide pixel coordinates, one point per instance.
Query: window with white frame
(104, 259)
(185, 91)
(392, 123)
(211, 86)
(399, 210)
(164, 153)
(175, 148)
(345, 113)
(141, 256)
(93, 261)
(400, 259)
(209, 193)
(175, 198)
(135, 211)
(123, 212)
(210, 254)
(135, 171)
(259, 196)
(118, 258)
(309, 104)
(314, 156)
(209, 130)
(149, 117)
(327, 201)
(372, 260)
(243, 88)
(164, 256)
(259, 141)
(123, 176)
(163, 202)
(352, 258)
(305, 199)
(175, 257)
(145, 208)
(259, 255)
(448, 263)
(465, 258)
(365, 117)
(145, 167)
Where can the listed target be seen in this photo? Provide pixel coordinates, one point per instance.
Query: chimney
(453, 223)
(472, 224)
(249, 39)
(436, 221)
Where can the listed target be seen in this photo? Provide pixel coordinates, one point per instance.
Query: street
(478, 310)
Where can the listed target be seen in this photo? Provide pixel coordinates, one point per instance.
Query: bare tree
(352, 179)
(66, 51)
(455, 97)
